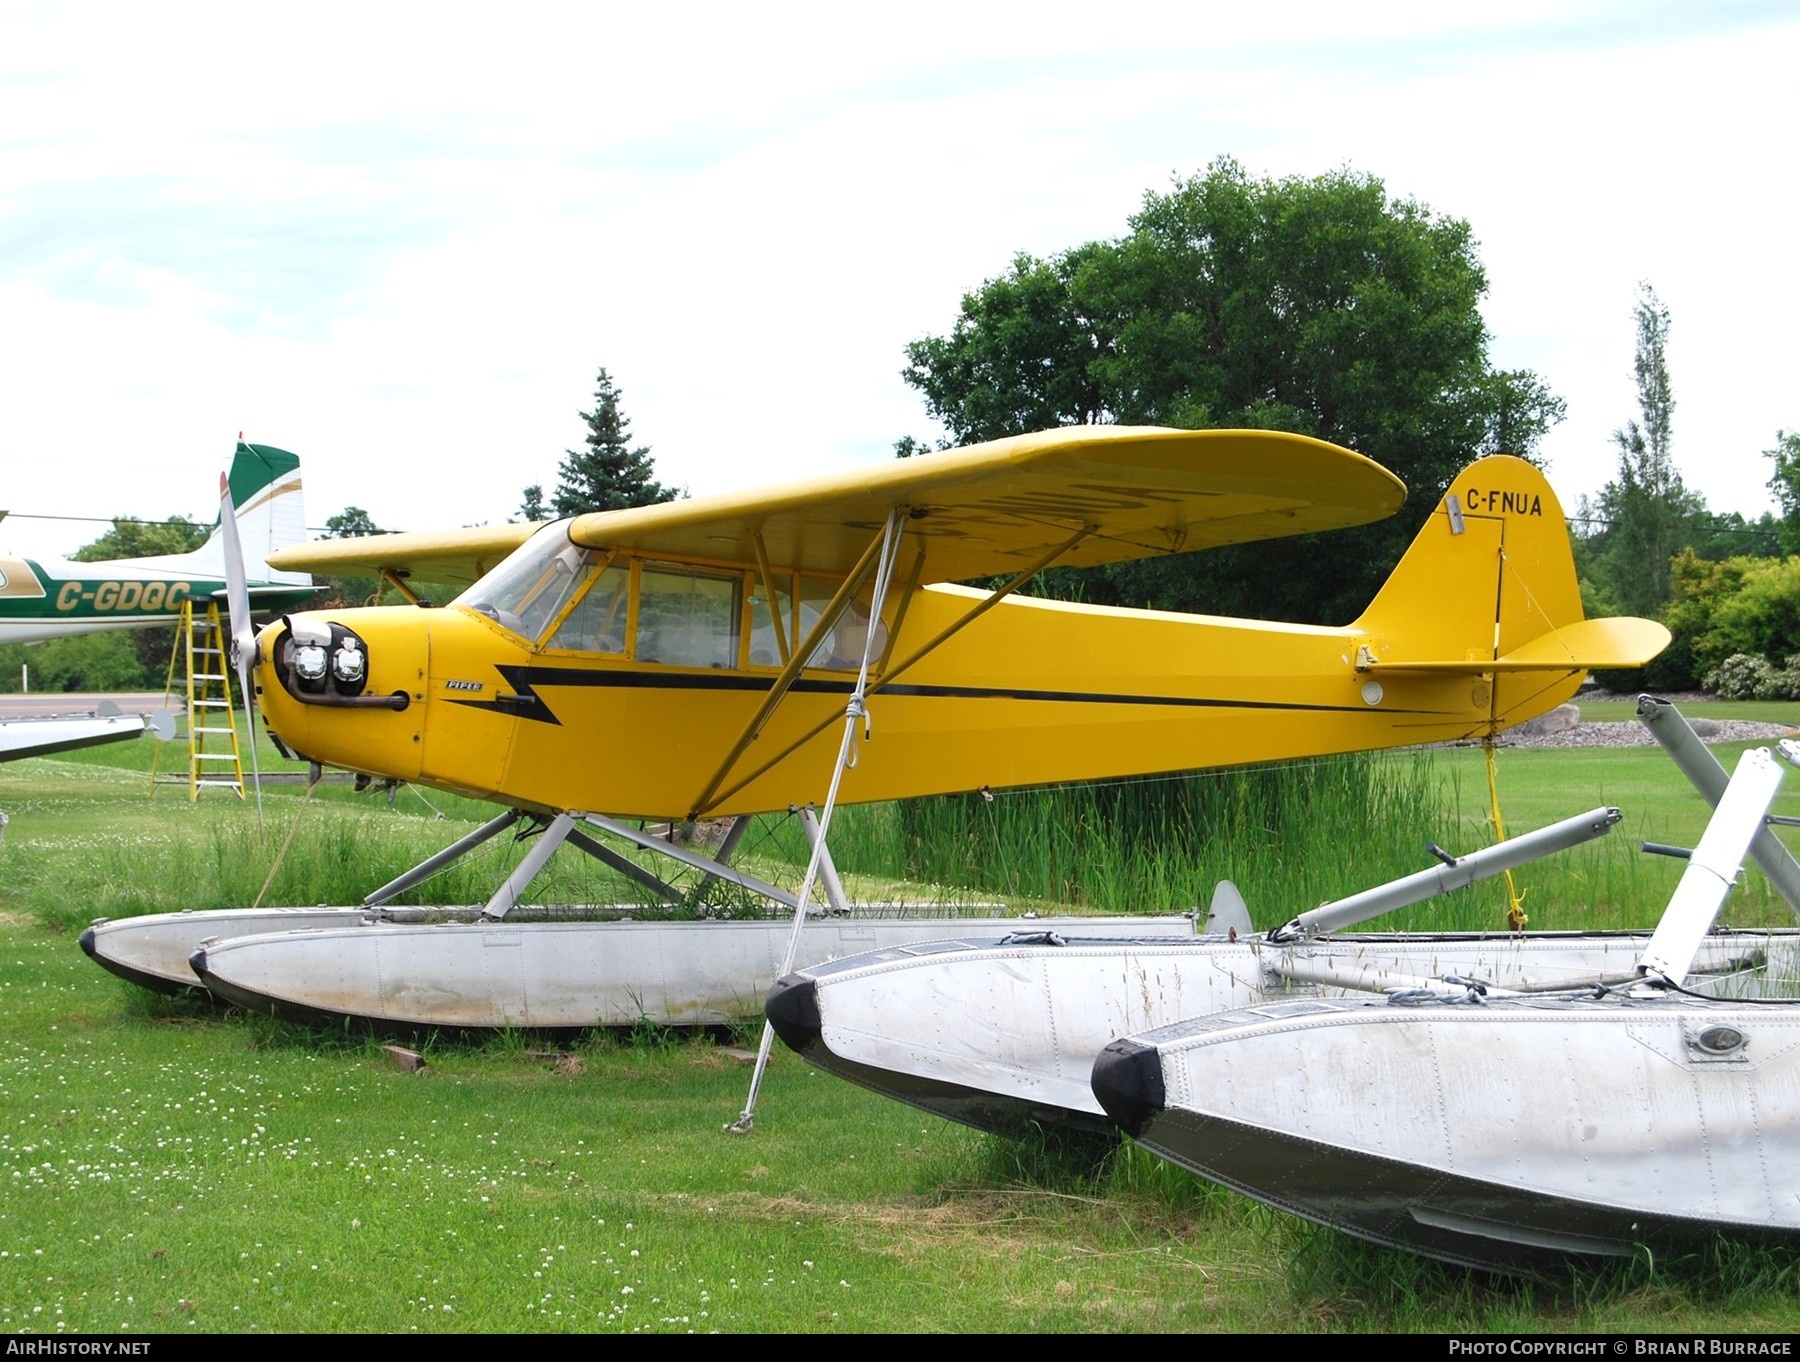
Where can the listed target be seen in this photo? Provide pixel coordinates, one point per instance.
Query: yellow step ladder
(214, 762)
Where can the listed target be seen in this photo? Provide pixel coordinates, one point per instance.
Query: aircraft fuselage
(42, 599)
(1032, 692)
(635, 680)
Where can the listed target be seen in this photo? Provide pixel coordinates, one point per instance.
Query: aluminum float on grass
(559, 975)
(1502, 1133)
(1001, 1032)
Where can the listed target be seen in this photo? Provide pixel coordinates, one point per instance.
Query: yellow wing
(450, 557)
(980, 511)
(993, 508)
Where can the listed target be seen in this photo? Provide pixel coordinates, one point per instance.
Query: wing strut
(768, 578)
(713, 795)
(778, 692)
(856, 710)
(396, 578)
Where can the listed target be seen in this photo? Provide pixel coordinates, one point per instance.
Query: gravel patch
(1633, 734)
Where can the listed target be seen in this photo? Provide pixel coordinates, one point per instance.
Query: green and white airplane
(49, 598)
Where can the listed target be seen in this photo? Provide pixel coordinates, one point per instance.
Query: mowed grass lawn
(168, 1167)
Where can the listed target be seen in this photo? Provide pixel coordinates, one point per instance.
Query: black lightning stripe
(526, 703)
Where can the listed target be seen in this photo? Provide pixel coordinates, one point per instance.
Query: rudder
(265, 488)
(1488, 587)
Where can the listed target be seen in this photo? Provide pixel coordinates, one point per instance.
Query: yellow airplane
(718, 657)
(695, 658)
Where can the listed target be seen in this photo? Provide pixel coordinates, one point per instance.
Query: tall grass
(86, 842)
(1288, 836)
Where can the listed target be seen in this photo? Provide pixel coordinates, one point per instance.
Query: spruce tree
(608, 475)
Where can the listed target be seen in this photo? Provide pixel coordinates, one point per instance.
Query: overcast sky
(400, 239)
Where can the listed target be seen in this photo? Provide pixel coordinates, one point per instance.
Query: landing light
(321, 663)
(349, 664)
(309, 662)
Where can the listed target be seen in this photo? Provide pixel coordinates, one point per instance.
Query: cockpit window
(555, 594)
(842, 648)
(767, 648)
(530, 588)
(597, 623)
(686, 617)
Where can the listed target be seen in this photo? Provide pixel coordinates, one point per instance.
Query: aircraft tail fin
(1488, 589)
(265, 488)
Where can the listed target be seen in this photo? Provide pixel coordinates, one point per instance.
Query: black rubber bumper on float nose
(793, 1010)
(1128, 1083)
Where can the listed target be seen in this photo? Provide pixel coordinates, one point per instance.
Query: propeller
(243, 633)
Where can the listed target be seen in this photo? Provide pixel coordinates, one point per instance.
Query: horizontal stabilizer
(42, 737)
(1622, 641)
(262, 591)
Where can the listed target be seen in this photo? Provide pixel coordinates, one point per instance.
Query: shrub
(1737, 606)
(1742, 676)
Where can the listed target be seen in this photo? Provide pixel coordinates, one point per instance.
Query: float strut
(431, 865)
(630, 869)
(526, 870)
(828, 876)
(1670, 728)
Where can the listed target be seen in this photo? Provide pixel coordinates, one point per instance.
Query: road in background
(58, 705)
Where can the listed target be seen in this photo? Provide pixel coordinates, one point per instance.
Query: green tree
(1785, 484)
(351, 523)
(151, 648)
(84, 662)
(1729, 534)
(1736, 605)
(1648, 512)
(609, 474)
(1316, 305)
(531, 506)
(142, 539)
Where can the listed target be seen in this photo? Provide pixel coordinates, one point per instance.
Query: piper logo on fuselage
(1502, 503)
(463, 685)
(122, 595)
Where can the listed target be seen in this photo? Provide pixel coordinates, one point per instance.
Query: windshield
(529, 589)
